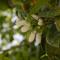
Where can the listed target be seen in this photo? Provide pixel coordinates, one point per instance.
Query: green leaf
(44, 58)
(38, 5)
(17, 2)
(57, 23)
(4, 4)
(53, 52)
(36, 8)
(53, 36)
(49, 12)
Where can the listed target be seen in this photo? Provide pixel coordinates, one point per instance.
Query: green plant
(38, 21)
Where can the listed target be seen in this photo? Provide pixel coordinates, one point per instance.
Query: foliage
(39, 23)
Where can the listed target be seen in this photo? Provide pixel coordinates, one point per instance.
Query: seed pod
(38, 39)
(25, 28)
(32, 36)
(35, 17)
(40, 22)
(20, 23)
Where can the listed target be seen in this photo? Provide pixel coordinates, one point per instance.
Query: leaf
(4, 4)
(53, 52)
(53, 37)
(57, 11)
(36, 8)
(57, 23)
(16, 2)
(49, 12)
(38, 5)
(45, 58)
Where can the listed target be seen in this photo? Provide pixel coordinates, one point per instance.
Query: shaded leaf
(53, 37)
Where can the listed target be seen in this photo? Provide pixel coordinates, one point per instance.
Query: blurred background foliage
(29, 29)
